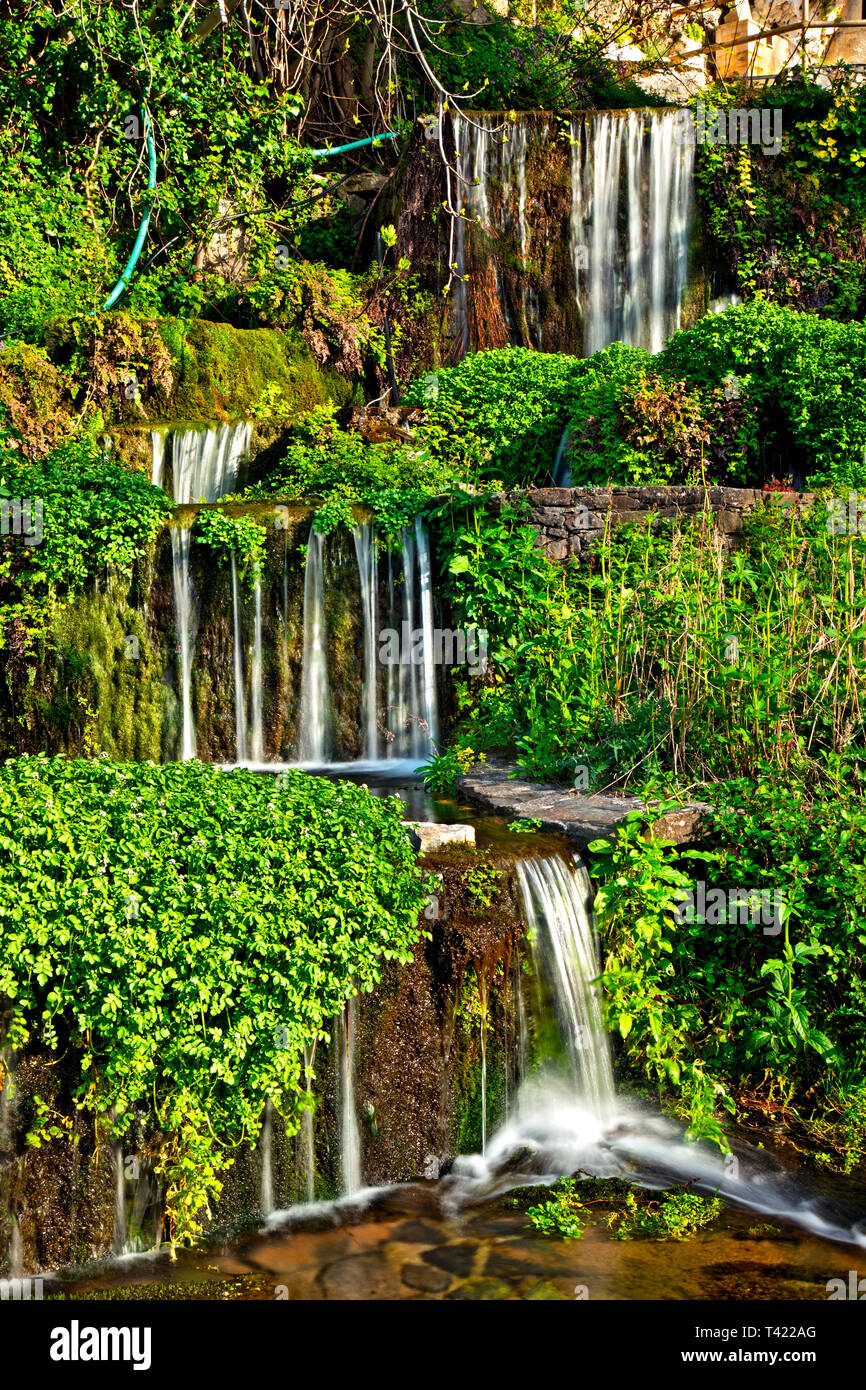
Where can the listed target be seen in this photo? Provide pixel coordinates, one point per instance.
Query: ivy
(184, 933)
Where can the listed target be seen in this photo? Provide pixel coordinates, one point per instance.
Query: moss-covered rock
(222, 372)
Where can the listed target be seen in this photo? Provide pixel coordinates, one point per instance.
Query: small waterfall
(120, 1220)
(350, 1136)
(314, 746)
(396, 596)
(307, 1133)
(266, 1195)
(184, 609)
(205, 466)
(631, 213)
(240, 698)
(368, 573)
(157, 456)
(257, 740)
(557, 904)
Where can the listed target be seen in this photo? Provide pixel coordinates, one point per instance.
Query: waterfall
(396, 595)
(240, 699)
(184, 603)
(365, 552)
(557, 905)
(314, 746)
(266, 1198)
(307, 1134)
(120, 1226)
(257, 740)
(205, 466)
(350, 1137)
(630, 226)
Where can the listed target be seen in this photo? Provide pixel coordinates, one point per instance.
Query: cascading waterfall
(628, 225)
(557, 904)
(314, 744)
(396, 594)
(630, 262)
(205, 465)
(350, 1136)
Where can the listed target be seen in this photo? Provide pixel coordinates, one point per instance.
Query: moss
(221, 372)
(35, 396)
(109, 674)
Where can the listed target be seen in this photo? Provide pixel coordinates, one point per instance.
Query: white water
(398, 714)
(350, 1136)
(568, 1117)
(629, 226)
(315, 744)
(266, 1194)
(205, 465)
(631, 211)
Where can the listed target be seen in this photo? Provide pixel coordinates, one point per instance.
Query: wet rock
(425, 1278)
(361, 1277)
(546, 1291)
(456, 1259)
(427, 836)
(481, 1290)
(417, 1233)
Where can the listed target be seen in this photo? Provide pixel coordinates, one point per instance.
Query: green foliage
(804, 379)
(528, 66)
(95, 514)
(393, 479)
(221, 137)
(184, 933)
(241, 536)
(482, 885)
(563, 1214)
(679, 1215)
(758, 388)
(791, 227)
(700, 1002)
(666, 655)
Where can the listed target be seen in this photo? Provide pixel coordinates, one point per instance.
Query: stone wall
(570, 520)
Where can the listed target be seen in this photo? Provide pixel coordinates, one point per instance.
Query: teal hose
(355, 145)
(123, 283)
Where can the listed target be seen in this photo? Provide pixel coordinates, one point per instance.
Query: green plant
(183, 933)
(678, 1215)
(563, 1214)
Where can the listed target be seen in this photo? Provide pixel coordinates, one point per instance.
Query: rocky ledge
(581, 817)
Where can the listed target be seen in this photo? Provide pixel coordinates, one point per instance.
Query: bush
(185, 933)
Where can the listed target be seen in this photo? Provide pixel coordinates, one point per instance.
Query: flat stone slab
(581, 817)
(433, 836)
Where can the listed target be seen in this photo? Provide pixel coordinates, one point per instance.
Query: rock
(456, 1259)
(427, 835)
(425, 1278)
